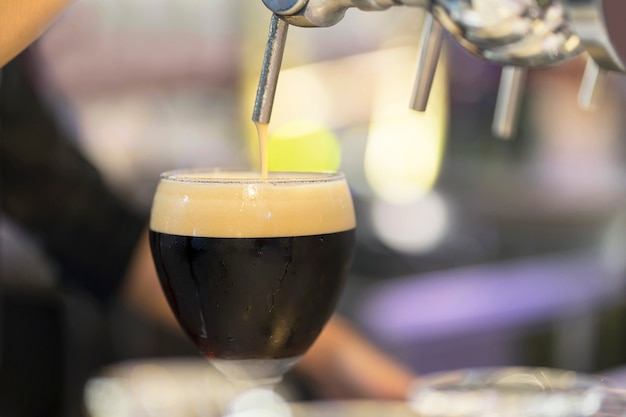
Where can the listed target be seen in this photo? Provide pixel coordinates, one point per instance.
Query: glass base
(260, 372)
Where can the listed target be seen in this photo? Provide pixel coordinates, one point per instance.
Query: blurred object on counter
(193, 388)
(517, 391)
(184, 387)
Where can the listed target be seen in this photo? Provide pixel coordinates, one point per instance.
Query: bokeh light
(405, 147)
(415, 227)
(303, 146)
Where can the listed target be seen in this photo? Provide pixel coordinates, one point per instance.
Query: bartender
(340, 364)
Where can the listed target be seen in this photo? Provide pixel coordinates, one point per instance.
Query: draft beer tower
(517, 34)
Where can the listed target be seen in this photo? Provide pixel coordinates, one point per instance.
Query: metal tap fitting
(323, 13)
(272, 60)
(600, 26)
(517, 34)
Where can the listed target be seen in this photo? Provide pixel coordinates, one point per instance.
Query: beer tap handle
(510, 93)
(592, 85)
(427, 59)
(272, 61)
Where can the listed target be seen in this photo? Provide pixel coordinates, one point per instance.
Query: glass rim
(247, 176)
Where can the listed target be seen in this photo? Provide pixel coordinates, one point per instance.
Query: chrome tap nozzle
(272, 60)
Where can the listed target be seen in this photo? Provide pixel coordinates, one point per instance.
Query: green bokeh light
(304, 146)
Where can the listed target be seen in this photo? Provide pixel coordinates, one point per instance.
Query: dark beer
(252, 268)
(240, 298)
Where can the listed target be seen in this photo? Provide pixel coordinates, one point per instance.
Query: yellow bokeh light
(303, 146)
(405, 147)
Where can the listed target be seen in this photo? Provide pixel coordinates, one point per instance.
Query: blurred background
(471, 250)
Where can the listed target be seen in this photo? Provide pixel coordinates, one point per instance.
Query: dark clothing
(52, 340)
(50, 189)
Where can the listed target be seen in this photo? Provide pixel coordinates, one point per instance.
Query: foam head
(242, 204)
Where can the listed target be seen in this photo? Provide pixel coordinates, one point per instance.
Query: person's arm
(342, 363)
(23, 21)
(48, 187)
(141, 289)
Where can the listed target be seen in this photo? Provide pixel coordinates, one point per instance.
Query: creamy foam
(245, 205)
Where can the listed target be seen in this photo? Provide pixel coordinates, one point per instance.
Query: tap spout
(270, 69)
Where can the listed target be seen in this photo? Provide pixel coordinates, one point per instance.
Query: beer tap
(324, 13)
(600, 26)
(517, 34)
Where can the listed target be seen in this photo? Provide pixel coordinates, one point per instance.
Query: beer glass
(252, 267)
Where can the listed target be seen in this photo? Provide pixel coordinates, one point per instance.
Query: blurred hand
(343, 364)
(142, 290)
